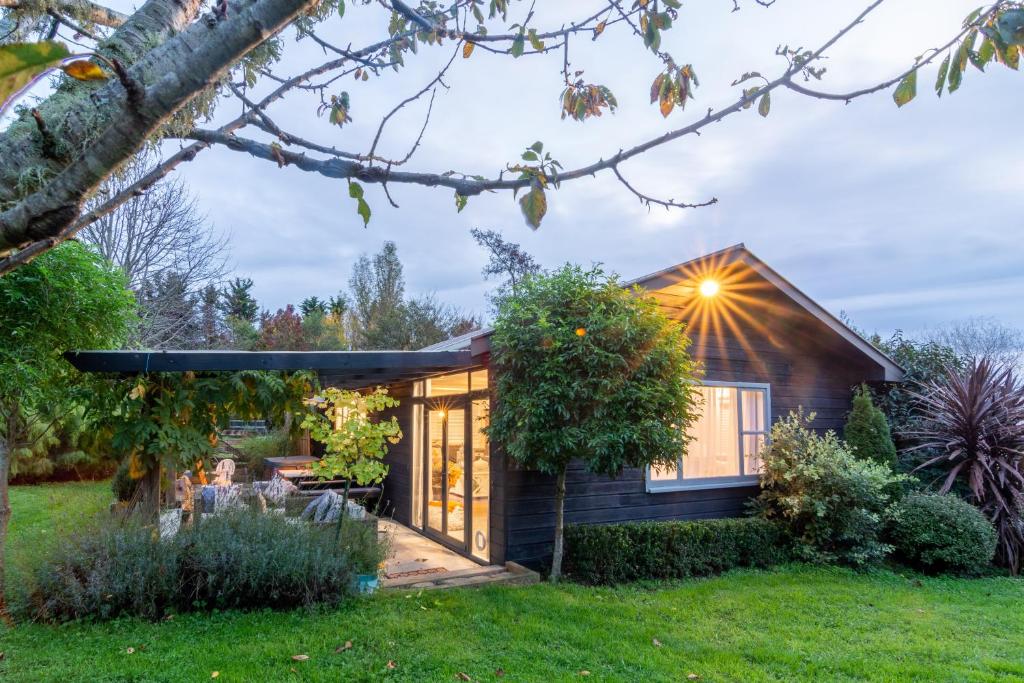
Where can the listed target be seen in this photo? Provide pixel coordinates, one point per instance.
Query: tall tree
(238, 302)
(312, 304)
(381, 316)
(282, 331)
(587, 370)
(170, 313)
(981, 337)
(378, 292)
(54, 155)
(507, 260)
(166, 248)
(70, 298)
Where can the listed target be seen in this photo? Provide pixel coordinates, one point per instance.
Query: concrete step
(511, 574)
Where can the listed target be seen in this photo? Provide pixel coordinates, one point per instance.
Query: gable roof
(739, 254)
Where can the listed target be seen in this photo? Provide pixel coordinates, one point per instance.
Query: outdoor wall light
(709, 288)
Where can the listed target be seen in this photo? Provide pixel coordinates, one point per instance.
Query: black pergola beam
(342, 364)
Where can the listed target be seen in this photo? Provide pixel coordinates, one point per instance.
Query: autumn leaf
(499, 672)
(84, 70)
(342, 648)
(906, 90)
(692, 676)
(765, 105)
(215, 674)
(584, 672)
(599, 29)
(463, 676)
(668, 103)
(467, 49)
(130, 650)
(534, 205)
(656, 642)
(20, 63)
(391, 664)
(460, 202)
(300, 658)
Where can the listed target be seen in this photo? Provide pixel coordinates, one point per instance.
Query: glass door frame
(446, 403)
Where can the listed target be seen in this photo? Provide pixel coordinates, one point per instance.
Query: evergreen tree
(867, 431)
(313, 304)
(238, 301)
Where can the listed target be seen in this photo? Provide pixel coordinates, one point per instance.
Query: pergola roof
(341, 368)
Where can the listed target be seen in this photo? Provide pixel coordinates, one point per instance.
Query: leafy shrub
(831, 503)
(867, 431)
(942, 533)
(256, 448)
(122, 484)
(235, 560)
(972, 423)
(615, 553)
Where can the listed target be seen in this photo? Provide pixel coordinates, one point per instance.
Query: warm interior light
(709, 288)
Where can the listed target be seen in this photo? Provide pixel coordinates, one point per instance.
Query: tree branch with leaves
(163, 69)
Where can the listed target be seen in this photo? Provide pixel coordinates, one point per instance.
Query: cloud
(866, 207)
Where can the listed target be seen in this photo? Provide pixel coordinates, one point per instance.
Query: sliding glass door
(451, 494)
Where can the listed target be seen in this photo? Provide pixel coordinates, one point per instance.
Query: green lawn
(793, 623)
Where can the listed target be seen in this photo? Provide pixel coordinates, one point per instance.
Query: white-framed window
(726, 440)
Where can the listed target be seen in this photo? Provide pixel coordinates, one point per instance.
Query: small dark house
(766, 348)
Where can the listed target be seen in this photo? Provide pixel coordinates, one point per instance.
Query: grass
(795, 622)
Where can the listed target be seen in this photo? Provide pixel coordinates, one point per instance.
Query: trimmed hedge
(617, 553)
(942, 533)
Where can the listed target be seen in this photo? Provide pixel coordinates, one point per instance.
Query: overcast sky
(901, 218)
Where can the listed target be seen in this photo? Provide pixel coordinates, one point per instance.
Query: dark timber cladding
(351, 369)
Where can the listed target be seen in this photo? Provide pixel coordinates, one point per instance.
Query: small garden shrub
(867, 430)
(617, 553)
(831, 503)
(235, 560)
(942, 533)
(256, 448)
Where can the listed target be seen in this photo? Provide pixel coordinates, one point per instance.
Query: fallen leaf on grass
(300, 658)
(693, 676)
(391, 664)
(463, 676)
(499, 672)
(215, 674)
(130, 650)
(584, 672)
(2, 655)
(342, 648)
(657, 643)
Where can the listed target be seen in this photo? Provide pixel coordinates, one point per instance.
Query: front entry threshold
(416, 562)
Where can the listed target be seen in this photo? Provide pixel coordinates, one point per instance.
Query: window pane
(448, 385)
(753, 410)
(417, 466)
(456, 462)
(478, 380)
(481, 485)
(662, 473)
(714, 450)
(752, 447)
